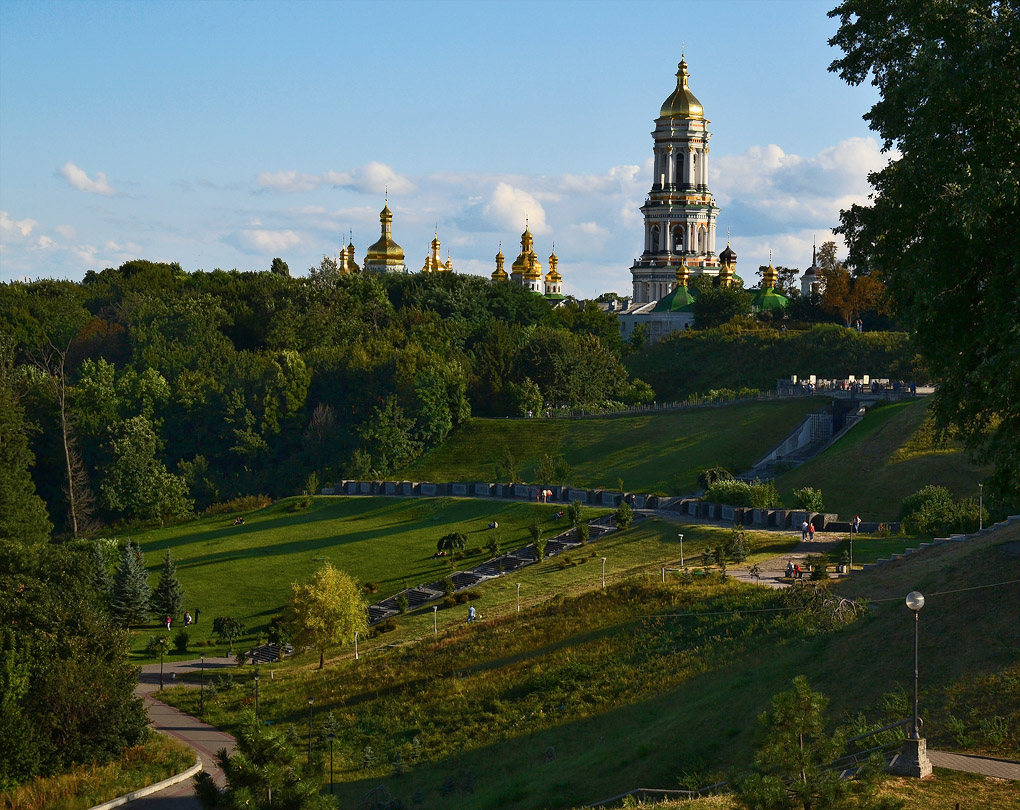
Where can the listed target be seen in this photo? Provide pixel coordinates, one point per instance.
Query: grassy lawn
(591, 693)
(890, 455)
(650, 453)
(246, 571)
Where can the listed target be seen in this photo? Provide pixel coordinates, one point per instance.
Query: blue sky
(222, 134)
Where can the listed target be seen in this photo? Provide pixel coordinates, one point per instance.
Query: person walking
(857, 524)
(803, 530)
(472, 614)
(169, 621)
(811, 531)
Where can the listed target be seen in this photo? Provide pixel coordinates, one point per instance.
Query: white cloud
(15, 229)
(372, 178)
(267, 241)
(590, 228)
(509, 207)
(81, 181)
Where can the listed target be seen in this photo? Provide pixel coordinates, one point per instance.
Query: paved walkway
(203, 738)
(986, 766)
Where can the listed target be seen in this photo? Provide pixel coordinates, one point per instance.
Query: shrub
(387, 626)
(155, 644)
(249, 503)
(741, 493)
(181, 641)
(583, 533)
(708, 477)
(401, 601)
(449, 602)
(493, 545)
(764, 495)
(540, 548)
(932, 510)
(809, 498)
(624, 515)
(452, 542)
(448, 586)
(370, 587)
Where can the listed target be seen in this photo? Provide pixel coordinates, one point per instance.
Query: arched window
(678, 239)
(702, 240)
(654, 246)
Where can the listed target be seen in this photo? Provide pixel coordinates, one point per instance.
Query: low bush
(932, 511)
(809, 498)
(756, 494)
(181, 641)
(708, 477)
(249, 503)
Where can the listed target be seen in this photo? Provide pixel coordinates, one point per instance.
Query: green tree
(717, 305)
(228, 629)
(575, 513)
(279, 267)
(168, 598)
(790, 764)
(327, 611)
(455, 541)
(509, 466)
(950, 106)
(624, 515)
(23, 516)
(131, 592)
(264, 772)
(137, 485)
(809, 498)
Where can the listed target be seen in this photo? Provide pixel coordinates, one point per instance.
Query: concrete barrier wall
(578, 495)
(482, 489)
(428, 489)
(458, 489)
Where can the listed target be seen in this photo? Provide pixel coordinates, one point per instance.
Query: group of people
(794, 571)
(187, 619)
(807, 530)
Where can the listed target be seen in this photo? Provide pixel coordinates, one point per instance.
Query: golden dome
(681, 102)
(527, 263)
(385, 251)
(499, 274)
(448, 267)
(553, 276)
(682, 274)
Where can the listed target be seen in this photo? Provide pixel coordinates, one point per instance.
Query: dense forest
(149, 391)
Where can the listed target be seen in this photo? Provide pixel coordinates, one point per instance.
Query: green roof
(768, 298)
(555, 297)
(680, 300)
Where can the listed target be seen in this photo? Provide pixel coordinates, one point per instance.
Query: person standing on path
(803, 530)
(811, 531)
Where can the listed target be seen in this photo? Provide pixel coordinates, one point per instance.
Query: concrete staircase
(940, 541)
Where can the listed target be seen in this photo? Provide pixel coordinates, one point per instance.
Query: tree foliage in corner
(327, 611)
(950, 105)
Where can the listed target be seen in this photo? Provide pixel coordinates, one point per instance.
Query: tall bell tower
(679, 212)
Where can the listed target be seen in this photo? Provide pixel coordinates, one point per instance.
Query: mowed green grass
(246, 571)
(882, 460)
(662, 452)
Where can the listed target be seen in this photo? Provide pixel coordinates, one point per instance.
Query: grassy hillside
(651, 453)
(697, 361)
(890, 455)
(589, 693)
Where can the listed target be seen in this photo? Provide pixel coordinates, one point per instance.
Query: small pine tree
(575, 513)
(583, 533)
(168, 598)
(131, 592)
(102, 580)
(624, 515)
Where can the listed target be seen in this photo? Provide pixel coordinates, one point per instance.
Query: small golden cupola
(433, 264)
(682, 274)
(448, 267)
(352, 266)
(385, 256)
(681, 102)
(527, 269)
(769, 276)
(499, 274)
(553, 279)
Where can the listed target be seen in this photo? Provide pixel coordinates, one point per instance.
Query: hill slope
(890, 455)
(582, 698)
(659, 452)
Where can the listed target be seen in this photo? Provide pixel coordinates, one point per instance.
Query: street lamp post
(603, 573)
(355, 645)
(913, 757)
(256, 698)
(981, 507)
(201, 692)
(331, 738)
(681, 550)
(435, 620)
(311, 700)
(161, 666)
(518, 598)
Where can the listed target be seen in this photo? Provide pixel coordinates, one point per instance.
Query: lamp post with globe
(913, 757)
